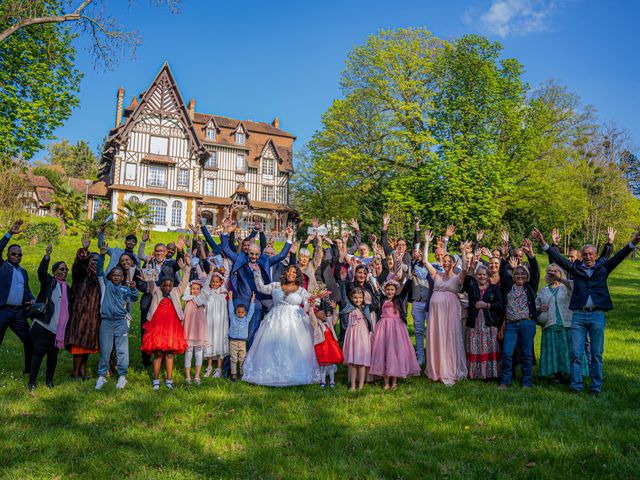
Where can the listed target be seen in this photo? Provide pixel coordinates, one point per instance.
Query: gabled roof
(232, 123)
(161, 98)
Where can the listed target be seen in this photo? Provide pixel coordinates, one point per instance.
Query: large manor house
(190, 166)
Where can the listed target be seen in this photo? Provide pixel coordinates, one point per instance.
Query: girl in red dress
(325, 340)
(164, 333)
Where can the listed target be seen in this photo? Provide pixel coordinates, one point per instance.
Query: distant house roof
(39, 181)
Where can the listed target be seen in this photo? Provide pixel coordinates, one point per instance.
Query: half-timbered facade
(188, 165)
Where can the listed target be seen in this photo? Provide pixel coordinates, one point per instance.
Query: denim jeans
(419, 312)
(521, 334)
(114, 331)
(583, 323)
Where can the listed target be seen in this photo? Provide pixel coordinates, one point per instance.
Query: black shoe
(32, 387)
(50, 385)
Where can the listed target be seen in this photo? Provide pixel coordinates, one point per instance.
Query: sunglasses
(14, 254)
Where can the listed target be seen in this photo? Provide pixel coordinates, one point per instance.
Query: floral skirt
(483, 350)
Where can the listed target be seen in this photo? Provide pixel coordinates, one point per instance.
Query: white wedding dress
(282, 353)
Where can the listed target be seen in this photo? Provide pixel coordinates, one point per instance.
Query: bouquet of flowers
(320, 292)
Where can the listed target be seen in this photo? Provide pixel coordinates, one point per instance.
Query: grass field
(420, 430)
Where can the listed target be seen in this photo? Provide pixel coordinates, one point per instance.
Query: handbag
(38, 310)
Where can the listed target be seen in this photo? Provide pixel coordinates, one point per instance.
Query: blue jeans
(521, 334)
(114, 330)
(583, 323)
(419, 312)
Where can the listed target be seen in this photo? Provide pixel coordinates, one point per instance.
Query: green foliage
(450, 130)
(69, 205)
(133, 217)
(77, 160)
(38, 83)
(55, 177)
(43, 230)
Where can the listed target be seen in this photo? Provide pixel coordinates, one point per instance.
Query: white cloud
(512, 17)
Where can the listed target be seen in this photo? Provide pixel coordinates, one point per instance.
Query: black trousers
(44, 343)
(15, 319)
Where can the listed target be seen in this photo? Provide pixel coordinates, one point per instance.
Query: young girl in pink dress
(393, 355)
(357, 339)
(163, 333)
(446, 358)
(195, 330)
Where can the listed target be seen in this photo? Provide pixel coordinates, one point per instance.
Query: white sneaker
(217, 373)
(207, 372)
(156, 384)
(168, 384)
(122, 381)
(100, 382)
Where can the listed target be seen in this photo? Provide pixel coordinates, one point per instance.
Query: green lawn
(421, 430)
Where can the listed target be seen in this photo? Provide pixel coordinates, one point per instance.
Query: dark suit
(492, 295)
(13, 317)
(243, 284)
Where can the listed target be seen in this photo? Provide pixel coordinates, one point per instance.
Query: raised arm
(285, 250)
(384, 236)
(534, 273)
(357, 236)
(614, 261)
(185, 265)
(257, 277)
(428, 237)
(215, 248)
(43, 268)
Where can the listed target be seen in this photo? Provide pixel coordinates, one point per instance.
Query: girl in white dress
(282, 353)
(214, 296)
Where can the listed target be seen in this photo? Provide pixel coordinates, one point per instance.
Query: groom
(242, 282)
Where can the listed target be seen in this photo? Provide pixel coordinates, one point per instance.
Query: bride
(282, 352)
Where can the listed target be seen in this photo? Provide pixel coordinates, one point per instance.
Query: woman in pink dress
(393, 355)
(446, 359)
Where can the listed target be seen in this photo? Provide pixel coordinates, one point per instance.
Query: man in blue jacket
(589, 300)
(242, 282)
(15, 295)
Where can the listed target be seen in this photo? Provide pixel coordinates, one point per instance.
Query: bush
(43, 230)
(94, 225)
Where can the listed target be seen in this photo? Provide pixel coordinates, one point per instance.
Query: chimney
(276, 122)
(119, 106)
(192, 108)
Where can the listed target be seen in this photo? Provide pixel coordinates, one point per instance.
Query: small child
(325, 340)
(239, 333)
(114, 327)
(214, 296)
(393, 355)
(357, 339)
(164, 333)
(195, 330)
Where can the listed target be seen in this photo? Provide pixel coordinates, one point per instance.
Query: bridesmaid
(446, 360)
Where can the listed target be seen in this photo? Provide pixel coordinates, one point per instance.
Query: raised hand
(257, 225)
(294, 246)
(180, 242)
(193, 228)
(386, 219)
(555, 236)
(611, 234)
(416, 224)
(537, 236)
(373, 238)
(354, 224)
(480, 235)
(104, 249)
(345, 236)
(289, 231)
(86, 241)
(145, 237)
(486, 252)
(48, 250)
(181, 262)
(451, 229)
(187, 242)
(635, 238)
(315, 223)
(505, 236)
(513, 262)
(428, 236)
(527, 246)
(15, 228)
(271, 242)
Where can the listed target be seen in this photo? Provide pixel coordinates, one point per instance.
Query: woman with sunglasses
(47, 333)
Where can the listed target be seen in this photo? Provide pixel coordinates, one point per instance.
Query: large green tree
(77, 160)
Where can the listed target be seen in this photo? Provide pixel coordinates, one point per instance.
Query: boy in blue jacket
(114, 324)
(238, 333)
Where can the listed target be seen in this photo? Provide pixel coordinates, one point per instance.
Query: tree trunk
(63, 226)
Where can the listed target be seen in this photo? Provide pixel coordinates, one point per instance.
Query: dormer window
(241, 137)
(211, 134)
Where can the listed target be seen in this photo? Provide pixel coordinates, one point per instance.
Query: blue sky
(261, 59)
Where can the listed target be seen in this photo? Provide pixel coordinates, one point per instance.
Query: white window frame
(158, 207)
(211, 134)
(210, 192)
(152, 180)
(243, 168)
(176, 213)
(283, 193)
(265, 197)
(183, 177)
(241, 137)
(131, 172)
(212, 161)
(268, 166)
(158, 145)
(95, 208)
